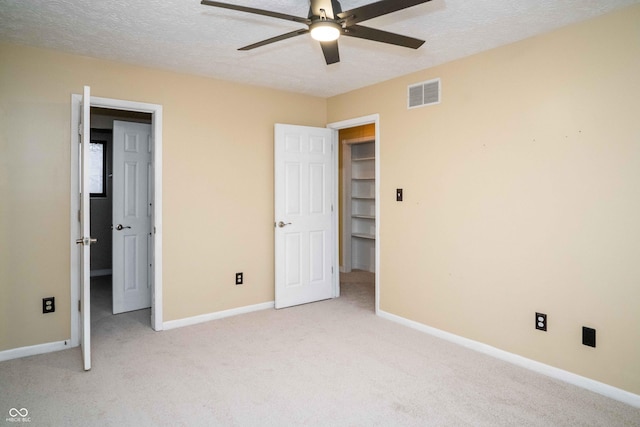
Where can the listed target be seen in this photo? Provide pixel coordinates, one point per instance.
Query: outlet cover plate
(239, 278)
(541, 321)
(48, 305)
(588, 336)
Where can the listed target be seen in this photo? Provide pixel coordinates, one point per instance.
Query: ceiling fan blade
(376, 9)
(362, 32)
(276, 39)
(331, 53)
(263, 12)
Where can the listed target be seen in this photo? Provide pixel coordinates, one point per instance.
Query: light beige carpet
(331, 363)
(357, 276)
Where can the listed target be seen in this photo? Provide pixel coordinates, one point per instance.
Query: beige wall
(521, 195)
(218, 185)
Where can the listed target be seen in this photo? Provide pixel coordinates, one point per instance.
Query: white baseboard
(32, 350)
(105, 272)
(541, 368)
(188, 321)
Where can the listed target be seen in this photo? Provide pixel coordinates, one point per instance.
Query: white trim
(32, 350)
(157, 295)
(103, 272)
(365, 120)
(194, 320)
(156, 128)
(541, 368)
(346, 208)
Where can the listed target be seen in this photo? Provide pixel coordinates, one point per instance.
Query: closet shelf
(363, 236)
(363, 216)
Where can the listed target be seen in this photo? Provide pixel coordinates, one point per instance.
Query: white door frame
(156, 131)
(359, 121)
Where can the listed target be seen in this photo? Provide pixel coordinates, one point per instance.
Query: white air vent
(425, 93)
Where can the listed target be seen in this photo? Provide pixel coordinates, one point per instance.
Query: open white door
(132, 210)
(86, 240)
(305, 245)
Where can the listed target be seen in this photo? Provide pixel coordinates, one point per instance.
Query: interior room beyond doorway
(357, 195)
(101, 212)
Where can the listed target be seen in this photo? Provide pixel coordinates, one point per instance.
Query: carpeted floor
(331, 363)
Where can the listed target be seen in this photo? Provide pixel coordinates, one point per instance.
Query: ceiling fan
(326, 22)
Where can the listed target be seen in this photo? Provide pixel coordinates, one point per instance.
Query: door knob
(283, 224)
(121, 227)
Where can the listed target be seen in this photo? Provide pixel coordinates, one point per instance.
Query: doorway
(359, 188)
(120, 109)
(358, 217)
(107, 275)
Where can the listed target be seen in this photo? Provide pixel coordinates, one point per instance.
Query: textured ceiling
(185, 36)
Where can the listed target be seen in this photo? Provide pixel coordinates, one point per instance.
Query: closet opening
(357, 225)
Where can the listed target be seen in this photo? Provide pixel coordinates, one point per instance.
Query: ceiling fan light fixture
(325, 31)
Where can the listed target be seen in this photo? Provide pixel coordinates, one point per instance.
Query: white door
(305, 245)
(85, 241)
(132, 209)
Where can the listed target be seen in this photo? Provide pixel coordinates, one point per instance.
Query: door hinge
(79, 305)
(80, 127)
(79, 215)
